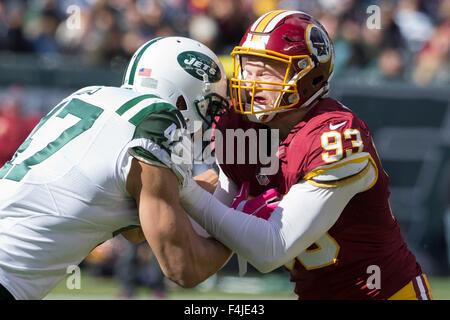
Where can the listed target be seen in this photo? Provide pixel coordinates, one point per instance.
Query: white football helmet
(184, 72)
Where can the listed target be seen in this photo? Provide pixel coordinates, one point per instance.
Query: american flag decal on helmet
(145, 72)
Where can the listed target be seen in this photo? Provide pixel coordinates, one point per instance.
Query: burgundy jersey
(365, 244)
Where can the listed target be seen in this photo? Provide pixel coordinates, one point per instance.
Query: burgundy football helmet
(295, 39)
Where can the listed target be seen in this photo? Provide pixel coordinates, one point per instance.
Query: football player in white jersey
(102, 162)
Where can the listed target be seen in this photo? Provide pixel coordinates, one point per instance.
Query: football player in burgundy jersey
(333, 229)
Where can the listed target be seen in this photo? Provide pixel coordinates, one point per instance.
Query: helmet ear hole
(317, 80)
(181, 103)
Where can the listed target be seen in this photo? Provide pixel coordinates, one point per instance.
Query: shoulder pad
(157, 122)
(344, 171)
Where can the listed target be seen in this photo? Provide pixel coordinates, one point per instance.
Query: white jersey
(64, 191)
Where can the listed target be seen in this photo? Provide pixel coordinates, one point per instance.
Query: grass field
(267, 287)
(218, 287)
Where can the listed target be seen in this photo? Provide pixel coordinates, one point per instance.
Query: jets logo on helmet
(198, 65)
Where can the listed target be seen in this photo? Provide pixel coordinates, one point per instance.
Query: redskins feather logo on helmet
(295, 39)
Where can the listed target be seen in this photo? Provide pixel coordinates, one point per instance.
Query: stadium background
(396, 78)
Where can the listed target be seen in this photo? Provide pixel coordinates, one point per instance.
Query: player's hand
(261, 206)
(208, 180)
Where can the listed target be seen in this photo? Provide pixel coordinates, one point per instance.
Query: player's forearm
(211, 256)
(251, 237)
(268, 244)
(168, 240)
(185, 257)
(193, 259)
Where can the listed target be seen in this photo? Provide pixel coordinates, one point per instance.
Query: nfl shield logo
(262, 179)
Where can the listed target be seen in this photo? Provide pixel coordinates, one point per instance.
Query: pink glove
(261, 206)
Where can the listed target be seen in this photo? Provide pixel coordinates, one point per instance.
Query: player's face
(261, 69)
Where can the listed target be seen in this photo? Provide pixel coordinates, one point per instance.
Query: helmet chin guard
(261, 117)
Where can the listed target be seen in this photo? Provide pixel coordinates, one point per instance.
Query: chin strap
(265, 117)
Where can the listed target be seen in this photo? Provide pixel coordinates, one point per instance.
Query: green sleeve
(157, 123)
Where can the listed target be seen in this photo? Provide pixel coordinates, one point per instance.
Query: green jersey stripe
(138, 57)
(141, 115)
(124, 77)
(130, 104)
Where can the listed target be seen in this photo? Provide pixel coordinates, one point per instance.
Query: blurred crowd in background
(412, 43)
